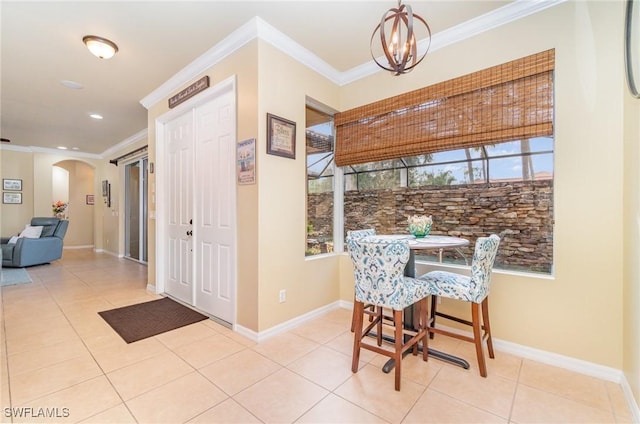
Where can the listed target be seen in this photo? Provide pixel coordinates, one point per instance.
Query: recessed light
(75, 148)
(95, 116)
(62, 148)
(72, 84)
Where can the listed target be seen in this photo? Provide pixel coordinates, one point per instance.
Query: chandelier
(398, 40)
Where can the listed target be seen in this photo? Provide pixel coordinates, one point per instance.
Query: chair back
(483, 258)
(379, 271)
(358, 234)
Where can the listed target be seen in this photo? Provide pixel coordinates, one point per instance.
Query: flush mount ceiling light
(398, 39)
(100, 47)
(96, 116)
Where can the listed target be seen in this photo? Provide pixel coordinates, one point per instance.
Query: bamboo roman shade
(506, 102)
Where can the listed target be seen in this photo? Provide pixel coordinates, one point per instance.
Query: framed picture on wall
(12, 198)
(11, 184)
(90, 199)
(281, 137)
(246, 157)
(105, 188)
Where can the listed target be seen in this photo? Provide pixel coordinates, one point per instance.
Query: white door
(179, 206)
(215, 200)
(200, 205)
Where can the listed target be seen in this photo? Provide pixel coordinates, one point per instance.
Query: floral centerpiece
(420, 225)
(58, 208)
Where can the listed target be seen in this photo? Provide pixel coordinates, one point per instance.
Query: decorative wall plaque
(190, 91)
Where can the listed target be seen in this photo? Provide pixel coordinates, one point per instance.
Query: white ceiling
(41, 45)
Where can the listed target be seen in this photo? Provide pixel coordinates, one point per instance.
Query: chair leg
(424, 326)
(432, 314)
(477, 337)
(487, 326)
(353, 316)
(399, 341)
(358, 314)
(379, 312)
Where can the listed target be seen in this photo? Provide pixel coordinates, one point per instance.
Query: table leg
(410, 271)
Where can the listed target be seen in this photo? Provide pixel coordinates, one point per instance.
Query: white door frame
(161, 183)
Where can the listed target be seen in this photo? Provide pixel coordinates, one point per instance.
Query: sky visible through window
(506, 159)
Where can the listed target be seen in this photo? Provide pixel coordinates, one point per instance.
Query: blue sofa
(35, 251)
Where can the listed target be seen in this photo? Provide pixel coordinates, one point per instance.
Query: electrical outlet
(283, 296)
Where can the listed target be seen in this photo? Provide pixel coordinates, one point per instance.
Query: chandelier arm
(428, 46)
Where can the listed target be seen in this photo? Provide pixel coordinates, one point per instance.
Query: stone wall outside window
(520, 212)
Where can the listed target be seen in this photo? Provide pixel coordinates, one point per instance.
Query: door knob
(190, 233)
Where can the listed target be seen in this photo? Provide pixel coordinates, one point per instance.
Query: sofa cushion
(31, 231)
(48, 230)
(49, 223)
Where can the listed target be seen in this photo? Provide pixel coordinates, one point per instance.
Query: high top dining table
(439, 243)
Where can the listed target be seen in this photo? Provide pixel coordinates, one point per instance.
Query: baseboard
(285, 326)
(108, 252)
(631, 401)
(152, 289)
(88, 246)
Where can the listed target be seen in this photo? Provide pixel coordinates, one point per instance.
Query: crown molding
(290, 47)
(58, 152)
(494, 19)
(140, 135)
(215, 54)
(258, 28)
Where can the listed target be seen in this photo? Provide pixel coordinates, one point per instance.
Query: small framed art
(281, 137)
(11, 184)
(246, 157)
(91, 199)
(12, 198)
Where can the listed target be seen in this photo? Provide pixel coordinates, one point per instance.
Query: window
(475, 152)
(504, 188)
(320, 180)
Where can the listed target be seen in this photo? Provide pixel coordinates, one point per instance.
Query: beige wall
(271, 213)
(17, 165)
(579, 312)
(631, 293)
(309, 283)
(80, 215)
(96, 225)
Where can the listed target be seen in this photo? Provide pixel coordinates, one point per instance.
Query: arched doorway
(79, 178)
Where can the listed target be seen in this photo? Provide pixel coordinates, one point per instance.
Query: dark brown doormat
(137, 322)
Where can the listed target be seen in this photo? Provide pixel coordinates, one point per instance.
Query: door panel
(179, 147)
(214, 232)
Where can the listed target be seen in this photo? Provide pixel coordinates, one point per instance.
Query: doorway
(136, 210)
(196, 202)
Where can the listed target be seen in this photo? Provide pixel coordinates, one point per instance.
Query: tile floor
(59, 357)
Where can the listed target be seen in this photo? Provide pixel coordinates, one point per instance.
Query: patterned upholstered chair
(473, 289)
(380, 281)
(369, 309)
